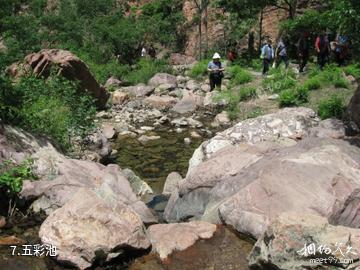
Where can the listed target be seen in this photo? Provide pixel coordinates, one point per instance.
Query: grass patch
(239, 75)
(145, 69)
(353, 70)
(199, 70)
(293, 97)
(279, 80)
(331, 107)
(313, 83)
(247, 93)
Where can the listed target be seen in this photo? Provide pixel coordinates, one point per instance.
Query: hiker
(215, 72)
(143, 52)
(231, 55)
(322, 47)
(267, 54)
(152, 52)
(303, 48)
(281, 54)
(341, 49)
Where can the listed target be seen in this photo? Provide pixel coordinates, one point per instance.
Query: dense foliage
(51, 107)
(12, 175)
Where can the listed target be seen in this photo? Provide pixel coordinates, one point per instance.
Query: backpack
(266, 52)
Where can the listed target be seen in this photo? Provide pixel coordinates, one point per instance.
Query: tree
(202, 8)
(288, 5)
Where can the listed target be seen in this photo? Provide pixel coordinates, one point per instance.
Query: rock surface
(287, 123)
(90, 224)
(171, 183)
(71, 175)
(354, 108)
(249, 188)
(119, 97)
(139, 186)
(140, 90)
(166, 238)
(161, 103)
(181, 59)
(163, 78)
(282, 246)
(70, 66)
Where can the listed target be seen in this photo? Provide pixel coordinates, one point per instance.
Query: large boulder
(92, 225)
(69, 66)
(163, 78)
(160, 102)
(167, 238)
(188, 104)
(301, 241)
(247, 189)
(140, 90)
(353, 111)
(292, 123)
(70, 175)
(119, 97)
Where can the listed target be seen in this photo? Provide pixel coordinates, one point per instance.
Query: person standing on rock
(303, 47)
(215, 70)
(267, 54)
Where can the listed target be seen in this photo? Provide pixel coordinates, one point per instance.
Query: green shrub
(293, 97)
(313, 83)
(341, 83)
(279, 80)
(331, 107)
(287, 98)
(353, 70)
(12, 176)
(49, 116)
(302, 95)
(256, 64)
(247, 93)
(54, 107)
(199, 70)
(145, 69)
(239, 75)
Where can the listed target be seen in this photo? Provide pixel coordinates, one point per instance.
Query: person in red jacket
(322, 47)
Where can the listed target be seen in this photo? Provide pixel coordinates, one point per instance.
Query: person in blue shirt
(267, 55)
(281, 54)
(215, 70)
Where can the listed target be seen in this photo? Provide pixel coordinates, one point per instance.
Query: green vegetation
(199, 70)
(233, 98)
(293, 97)
(145, 69)
(331, 107)
(239, 75)
(279, 80)
(54, 107)
(353, 70)
(12, 175)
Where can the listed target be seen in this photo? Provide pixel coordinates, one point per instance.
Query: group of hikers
(323, 48)
(279, 54)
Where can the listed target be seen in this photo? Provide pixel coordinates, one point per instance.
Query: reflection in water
(154, 160)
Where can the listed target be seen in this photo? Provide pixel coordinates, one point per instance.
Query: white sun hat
(216, 56)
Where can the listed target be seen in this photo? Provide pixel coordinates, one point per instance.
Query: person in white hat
(215, 72)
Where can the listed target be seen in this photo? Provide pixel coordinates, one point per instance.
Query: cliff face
(213, 33)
